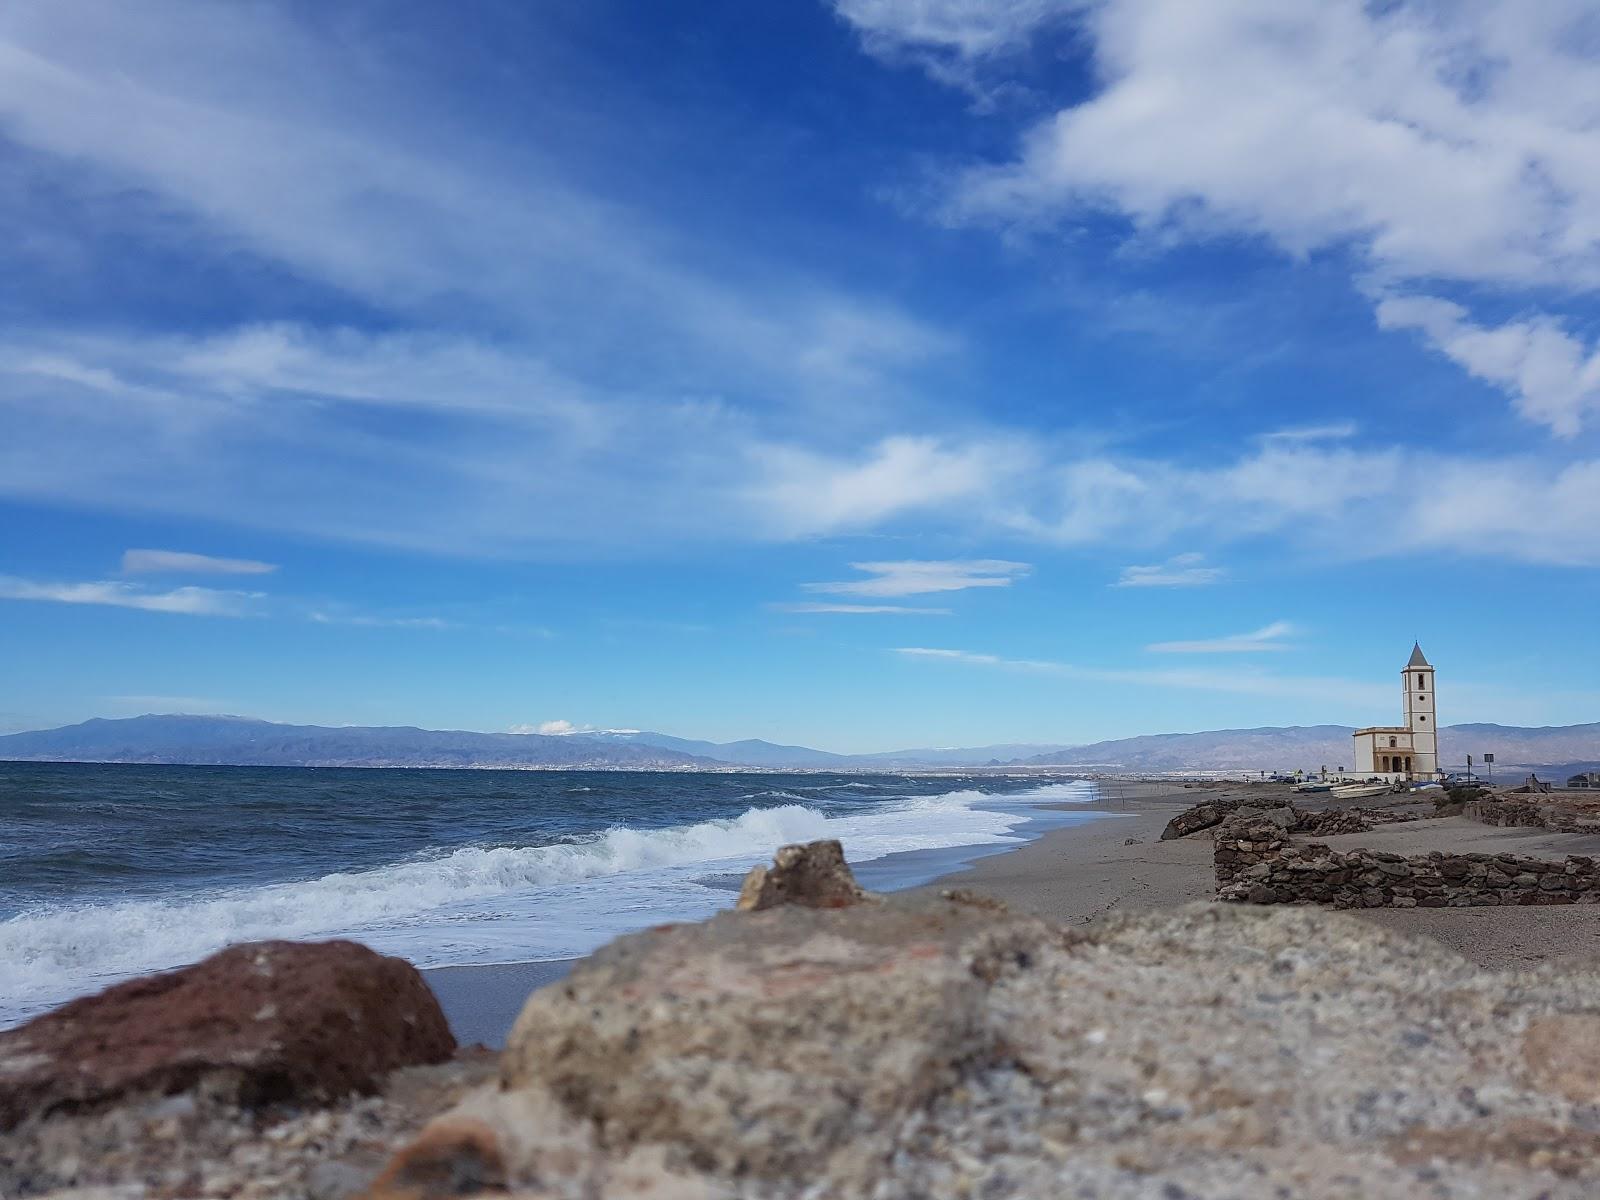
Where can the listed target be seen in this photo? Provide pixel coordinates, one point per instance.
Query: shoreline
(1068, 868)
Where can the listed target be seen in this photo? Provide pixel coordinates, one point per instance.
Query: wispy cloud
(804, 492)
(142, 562)
(368, 620)
(1242, 682)
(194, 601)
(821, 607)
(918, 576)
(1182, 570)
(1333, 432)
(1268, 637)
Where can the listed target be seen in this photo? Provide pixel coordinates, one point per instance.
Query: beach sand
(1079, 872)
(1075, 874)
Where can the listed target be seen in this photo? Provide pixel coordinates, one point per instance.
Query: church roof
(1417, 659)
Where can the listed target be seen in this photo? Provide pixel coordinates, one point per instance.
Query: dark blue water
(108, 871)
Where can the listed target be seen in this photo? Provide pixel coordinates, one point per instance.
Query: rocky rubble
(946, 1047)
(1257, 862)
(1210, 813)
(194, 1145)
(949, 1048)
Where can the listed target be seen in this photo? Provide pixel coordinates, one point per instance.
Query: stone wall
(1524, 814)
(1257, 863)
(1280, 811)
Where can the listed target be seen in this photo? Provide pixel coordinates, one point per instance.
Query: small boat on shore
(1314, 785)
(1359, 791)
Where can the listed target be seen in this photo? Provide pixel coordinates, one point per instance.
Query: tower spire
(1417, 657)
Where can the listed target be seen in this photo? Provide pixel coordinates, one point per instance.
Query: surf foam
(482, 904)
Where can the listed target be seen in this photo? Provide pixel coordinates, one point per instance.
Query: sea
(111, 871)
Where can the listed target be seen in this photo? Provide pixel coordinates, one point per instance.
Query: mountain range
(244, 741)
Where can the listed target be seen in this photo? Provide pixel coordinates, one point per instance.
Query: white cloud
(367, 620)
(1269, 637)
(1436, 144)
(1552, 376)
(196, 601)
(805, 493)
(135, 562)
(917, 576)
(966, 28)
(558, 728)
(810, 607)
(1242, 682)
(1181, 570)
(1333, 432)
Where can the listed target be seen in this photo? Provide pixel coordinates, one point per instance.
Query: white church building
(1411, 750)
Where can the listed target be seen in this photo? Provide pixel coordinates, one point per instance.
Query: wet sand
(482, 1002)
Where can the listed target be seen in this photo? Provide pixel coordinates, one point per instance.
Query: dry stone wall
(1524, 814)
(1257, 863)
(1324, 822)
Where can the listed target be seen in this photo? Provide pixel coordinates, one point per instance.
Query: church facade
(1411, 750)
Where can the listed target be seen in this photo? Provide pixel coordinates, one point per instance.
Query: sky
(866, 373)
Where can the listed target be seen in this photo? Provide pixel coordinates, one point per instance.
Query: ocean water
(112, 871)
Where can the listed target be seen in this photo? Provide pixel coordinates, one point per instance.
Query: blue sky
(867, 374)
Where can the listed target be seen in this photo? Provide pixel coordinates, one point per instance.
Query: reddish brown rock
(452, 1157)
(255, 1024)
(814, 875)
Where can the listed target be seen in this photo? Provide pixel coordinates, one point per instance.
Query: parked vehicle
(1358, 791)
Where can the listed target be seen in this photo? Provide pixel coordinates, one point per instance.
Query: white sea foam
(480, 904)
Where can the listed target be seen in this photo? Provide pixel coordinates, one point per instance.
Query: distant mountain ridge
(245, 741)
(1314, 746)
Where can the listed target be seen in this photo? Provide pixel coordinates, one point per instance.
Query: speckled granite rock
(946, 1049)
(197, 1145)
(255, 1024)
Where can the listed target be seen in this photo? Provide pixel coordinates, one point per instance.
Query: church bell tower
(1421, 712)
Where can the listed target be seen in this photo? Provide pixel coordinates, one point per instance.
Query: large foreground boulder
(256, 1024)
(948, 1048)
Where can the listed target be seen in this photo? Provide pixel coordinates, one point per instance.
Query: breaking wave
(479, 903)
